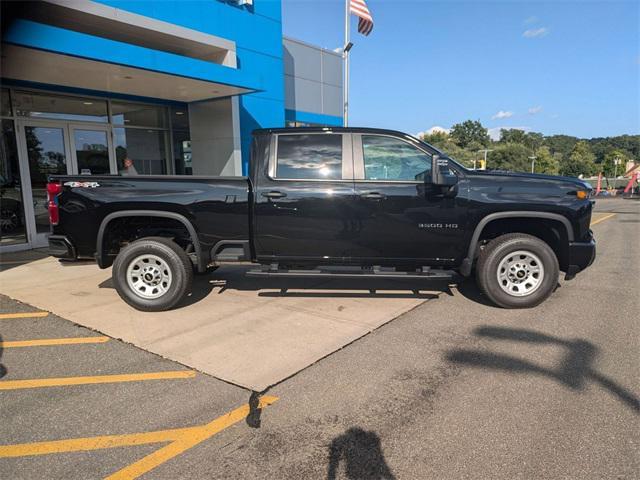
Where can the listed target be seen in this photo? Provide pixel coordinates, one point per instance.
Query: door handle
(374, 195)
(274, 194)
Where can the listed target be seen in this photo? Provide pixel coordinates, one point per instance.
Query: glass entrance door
(46, 148)
(58, 148)
(91, 150)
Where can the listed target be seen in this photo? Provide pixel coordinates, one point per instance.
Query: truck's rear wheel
(152, 274)
(517, 271)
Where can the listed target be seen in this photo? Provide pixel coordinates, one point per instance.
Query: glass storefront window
(92, 151)
(138, 115)
(39, 105)
(12, 222)
(146, 148)
(5, 99)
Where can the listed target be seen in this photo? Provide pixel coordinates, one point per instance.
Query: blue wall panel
(257, 31)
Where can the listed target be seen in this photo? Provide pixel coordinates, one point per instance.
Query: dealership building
(175, 86)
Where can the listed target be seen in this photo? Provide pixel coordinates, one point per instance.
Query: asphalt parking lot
(454, 388)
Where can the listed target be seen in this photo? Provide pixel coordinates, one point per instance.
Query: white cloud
(536, 32)
(531, 19)
(502, 114)
(494, 133)
(432, 130)
(534, 110)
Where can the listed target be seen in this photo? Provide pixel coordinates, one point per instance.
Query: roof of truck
(331, 129)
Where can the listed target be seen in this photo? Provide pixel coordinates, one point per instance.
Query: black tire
(177, 264)
(501, 249)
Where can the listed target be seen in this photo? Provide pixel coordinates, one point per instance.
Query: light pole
(345, 87)
(533, 163)
(616, 162)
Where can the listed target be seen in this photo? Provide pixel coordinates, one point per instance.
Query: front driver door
(403, 218)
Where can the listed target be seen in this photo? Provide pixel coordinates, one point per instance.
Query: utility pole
(533, 163)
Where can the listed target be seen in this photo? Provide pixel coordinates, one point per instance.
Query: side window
(387, 158)
(315, 157)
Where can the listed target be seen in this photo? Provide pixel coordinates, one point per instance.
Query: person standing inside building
(128, 167)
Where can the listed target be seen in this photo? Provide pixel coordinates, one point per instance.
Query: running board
(373, 273)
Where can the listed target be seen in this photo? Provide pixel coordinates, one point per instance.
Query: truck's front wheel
(517, 271)
(152, 274)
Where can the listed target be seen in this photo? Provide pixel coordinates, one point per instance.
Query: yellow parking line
(187, 440)
(45, 342)
(6, 316)
(89, 443)
(181, 440)
(602, 219)
(65, 381)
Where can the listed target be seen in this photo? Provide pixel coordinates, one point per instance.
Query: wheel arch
(467, 262)
(101, 256)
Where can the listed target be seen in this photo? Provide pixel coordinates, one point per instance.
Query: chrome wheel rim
(149, 276)
(520, 273)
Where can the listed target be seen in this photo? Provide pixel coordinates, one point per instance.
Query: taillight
(53, 190)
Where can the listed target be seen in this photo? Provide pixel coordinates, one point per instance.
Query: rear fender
(101, 256)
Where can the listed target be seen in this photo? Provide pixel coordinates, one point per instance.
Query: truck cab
(355, 196)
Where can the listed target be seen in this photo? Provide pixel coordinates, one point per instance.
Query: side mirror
(440, 173)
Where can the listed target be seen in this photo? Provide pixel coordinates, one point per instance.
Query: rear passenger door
(304, 199)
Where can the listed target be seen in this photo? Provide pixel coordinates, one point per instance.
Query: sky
(562, 67)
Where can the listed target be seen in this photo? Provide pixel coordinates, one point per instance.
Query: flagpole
(345, 55)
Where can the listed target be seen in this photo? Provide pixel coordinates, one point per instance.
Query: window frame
(358, 159)
(347, 158)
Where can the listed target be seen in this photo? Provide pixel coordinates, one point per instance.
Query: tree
(436, 138)
(562, 144)
(512, 135)
(470, 131)
(532, 140)
(579, 162)
(547, 163)
(511, 156)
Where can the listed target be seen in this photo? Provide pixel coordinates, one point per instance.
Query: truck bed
(217, 207)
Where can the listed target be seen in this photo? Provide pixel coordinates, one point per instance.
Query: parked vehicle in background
(379, 201)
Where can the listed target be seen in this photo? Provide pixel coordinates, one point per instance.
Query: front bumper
(581, 255)
(61, 247)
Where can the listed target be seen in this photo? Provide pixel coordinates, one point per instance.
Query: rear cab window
(313, 156)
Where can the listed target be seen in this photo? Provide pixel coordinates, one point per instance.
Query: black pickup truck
(354, 202)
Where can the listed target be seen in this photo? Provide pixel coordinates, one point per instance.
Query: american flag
(365, 20)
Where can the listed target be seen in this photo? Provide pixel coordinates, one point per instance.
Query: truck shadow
(233, 278)
(360, 452)
(575, 370)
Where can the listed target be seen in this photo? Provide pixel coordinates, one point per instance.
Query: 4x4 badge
(82, 184)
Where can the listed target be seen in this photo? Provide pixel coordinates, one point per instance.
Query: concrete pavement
(250, 332)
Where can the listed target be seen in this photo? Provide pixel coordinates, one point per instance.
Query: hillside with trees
(554, 154)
